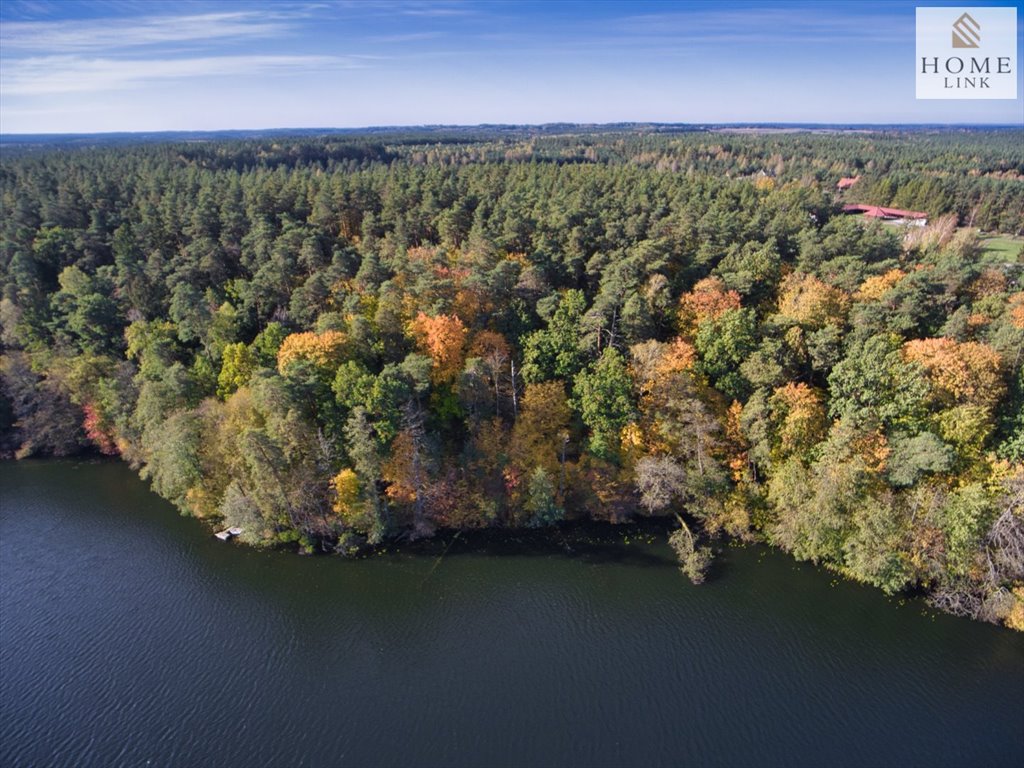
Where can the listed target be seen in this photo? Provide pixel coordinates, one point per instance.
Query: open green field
(1009, 247)
(1006, 247)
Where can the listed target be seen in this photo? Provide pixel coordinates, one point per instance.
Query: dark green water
(129, 636)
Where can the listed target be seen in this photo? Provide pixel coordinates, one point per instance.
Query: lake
(130, 636)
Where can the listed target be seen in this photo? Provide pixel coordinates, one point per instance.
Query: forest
(337, 342)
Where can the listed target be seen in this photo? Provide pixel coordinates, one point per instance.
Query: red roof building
(888, 214)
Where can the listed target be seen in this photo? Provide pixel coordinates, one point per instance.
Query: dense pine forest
(335, 342)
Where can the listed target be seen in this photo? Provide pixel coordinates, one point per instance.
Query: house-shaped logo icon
(966, 32)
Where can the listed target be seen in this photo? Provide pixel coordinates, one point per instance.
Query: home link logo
(944, 67)
(966, 32)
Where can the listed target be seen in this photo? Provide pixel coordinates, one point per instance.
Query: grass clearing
(1006, 247)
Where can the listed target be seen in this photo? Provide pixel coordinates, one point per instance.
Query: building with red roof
(894, 215)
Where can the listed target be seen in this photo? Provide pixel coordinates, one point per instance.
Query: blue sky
(69, 66)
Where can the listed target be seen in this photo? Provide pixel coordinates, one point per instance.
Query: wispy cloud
(45, 75)
(411, 37)
(437, 11)
(728, 32)
(113, 34)
(766, 25)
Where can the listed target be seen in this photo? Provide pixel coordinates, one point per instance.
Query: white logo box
(966, 52)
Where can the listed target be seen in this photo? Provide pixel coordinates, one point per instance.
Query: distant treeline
(329, 342)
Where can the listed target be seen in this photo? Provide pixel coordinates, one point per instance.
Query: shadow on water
(633, 543)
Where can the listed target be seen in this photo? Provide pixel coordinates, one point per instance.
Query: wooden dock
(228, 533)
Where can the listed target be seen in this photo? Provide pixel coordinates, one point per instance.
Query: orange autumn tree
(991, 282)
(968, 373)
(736, 443)
(471, 301)
(407, 472)
(657, 370)
(678, 356)
(324, 350)
(651, 361)
(488, 345)
(492, 349)
(708, 300)
(1017, 309)
(443, 339)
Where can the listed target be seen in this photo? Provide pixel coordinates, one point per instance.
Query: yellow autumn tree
(967, 428)
(811, 302)
(348, 503)
(876, 286)
(799, 412)
(324, 350)
(633, 444)
(542, 427)
(1015, 616)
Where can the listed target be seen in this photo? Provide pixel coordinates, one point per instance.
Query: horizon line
(551, 124)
